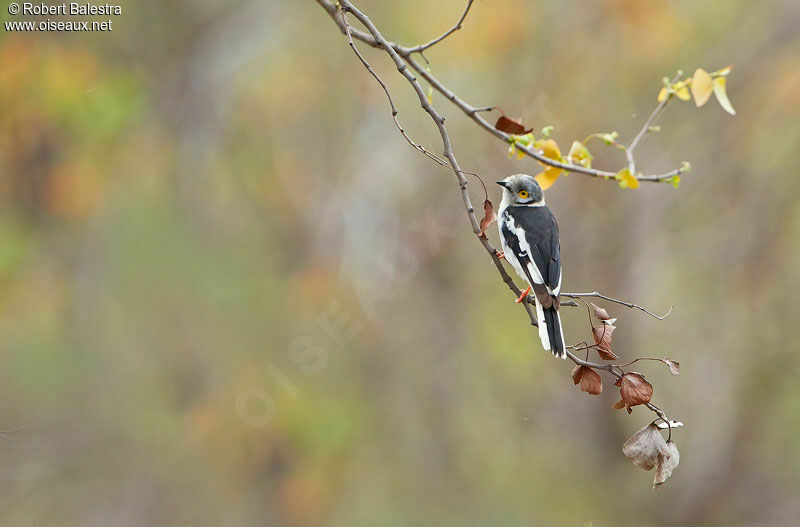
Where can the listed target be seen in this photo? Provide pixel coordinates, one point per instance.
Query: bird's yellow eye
(523, 194)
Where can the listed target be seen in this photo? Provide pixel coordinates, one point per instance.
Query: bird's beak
(503, 184)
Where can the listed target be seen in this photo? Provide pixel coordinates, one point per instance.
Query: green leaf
(685, 167)
(676, 180)
(609, 139)
(546, 131)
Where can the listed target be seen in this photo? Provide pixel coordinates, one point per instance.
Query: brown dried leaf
(511, 126)
(488, 217)
(600, 313)
(602, 337)
(667, 461)
(635, 390)
(590, 380)
(645, 446)
(674, 366)
(577, 373)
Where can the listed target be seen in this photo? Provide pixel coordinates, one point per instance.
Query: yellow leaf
(683, 93)
(722, 72)
(548, 177)
(722, 95)
(702, 86)
(430, 94)
(578, 153)
(626, 179)
(550, 149)
(662, 94)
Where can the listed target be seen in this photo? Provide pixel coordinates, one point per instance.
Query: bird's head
(521, 189)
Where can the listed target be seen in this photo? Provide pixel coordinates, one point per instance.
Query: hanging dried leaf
(577, 373)
(667, 461)
(599, 312)
(511, 126)
(674, 366)
(602, 337)
(590, 380)
(488, 217)
(634, 389)
(619, 405)
(644, 447)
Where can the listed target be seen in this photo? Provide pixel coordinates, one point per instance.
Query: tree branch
(473, 112)
(375, 38)
(439, 121)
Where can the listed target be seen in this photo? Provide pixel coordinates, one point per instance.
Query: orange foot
(522, 295)
(500, 255)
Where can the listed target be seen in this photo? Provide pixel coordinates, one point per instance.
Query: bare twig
(372, 71)
(629, 150)
(595, 294)
(423, 47)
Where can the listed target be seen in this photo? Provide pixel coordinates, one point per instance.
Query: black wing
(541, 234)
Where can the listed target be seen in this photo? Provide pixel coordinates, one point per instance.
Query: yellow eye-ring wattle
(523, 194)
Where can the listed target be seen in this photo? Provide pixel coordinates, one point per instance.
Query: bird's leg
(522, 295)
(500, 254)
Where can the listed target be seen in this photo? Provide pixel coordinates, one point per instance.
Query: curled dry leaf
(634, 389)
(599, 312)
(668, 460)
(602, 337)
(674, 366)
(488, 217)
(511, 126)
(590, 380)
(644, 447)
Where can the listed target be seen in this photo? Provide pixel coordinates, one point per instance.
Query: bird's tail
(550, 331)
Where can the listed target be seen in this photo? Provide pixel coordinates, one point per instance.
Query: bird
(529, 237)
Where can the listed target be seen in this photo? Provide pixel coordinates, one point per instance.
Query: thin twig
(645, 128)
(595, 294)
(638, 359)
(423, 47)
(372, 71)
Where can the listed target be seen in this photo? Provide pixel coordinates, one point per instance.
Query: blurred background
(231, 294)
